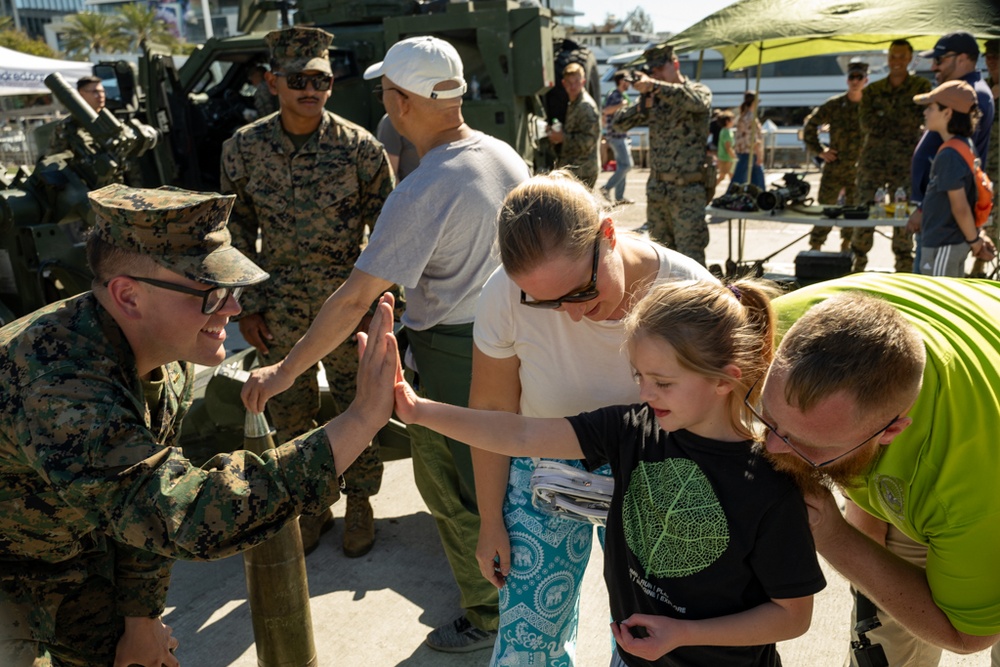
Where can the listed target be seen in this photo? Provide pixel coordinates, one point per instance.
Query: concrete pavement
(376, 610)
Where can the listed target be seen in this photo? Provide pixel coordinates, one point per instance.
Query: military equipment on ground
(277, 587)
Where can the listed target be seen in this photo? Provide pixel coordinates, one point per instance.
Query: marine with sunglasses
(309, 181)
(840, 157)
(96, 498)
(434, 237)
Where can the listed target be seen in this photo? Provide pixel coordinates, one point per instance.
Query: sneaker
(607, 195)
(359, 527)
(624, 201)
(312, 528)
(460, 636)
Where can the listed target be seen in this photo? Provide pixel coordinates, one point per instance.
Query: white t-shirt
(566, 367)
(436, 231)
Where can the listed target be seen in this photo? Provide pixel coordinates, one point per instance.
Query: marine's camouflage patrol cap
(300, 49)
(658, 55)
(857, 67)
(183, 231)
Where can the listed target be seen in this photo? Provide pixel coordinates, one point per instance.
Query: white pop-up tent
(24, 74)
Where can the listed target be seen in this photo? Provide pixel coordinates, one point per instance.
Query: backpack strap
(964, 148)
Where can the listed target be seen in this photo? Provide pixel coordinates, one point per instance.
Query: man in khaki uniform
(308, 181)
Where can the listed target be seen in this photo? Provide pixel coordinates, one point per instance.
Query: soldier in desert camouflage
(96, 498)
(308, 181)
(677, 111)
(840, 158)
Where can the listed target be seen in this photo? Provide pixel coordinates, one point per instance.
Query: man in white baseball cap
(434, 236)
(427, 66)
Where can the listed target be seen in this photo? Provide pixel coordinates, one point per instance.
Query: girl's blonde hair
(547, 216)
(710, 326)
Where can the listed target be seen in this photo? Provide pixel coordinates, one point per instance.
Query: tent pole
(753, 126)
(701, 61)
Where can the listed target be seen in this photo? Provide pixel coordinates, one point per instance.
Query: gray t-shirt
(436, 232)
(398, 145)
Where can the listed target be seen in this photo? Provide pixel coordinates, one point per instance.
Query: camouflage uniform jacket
(310, 205)
(92, 481)
(678, 125)
(891, 122)
(845, 129)
(582, 138)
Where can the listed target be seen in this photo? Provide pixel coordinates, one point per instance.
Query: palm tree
(89, 33)
(141, 24)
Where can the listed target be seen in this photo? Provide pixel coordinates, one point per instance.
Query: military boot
(313, 527)
(359, 527)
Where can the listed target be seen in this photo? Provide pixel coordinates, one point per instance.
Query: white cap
(418, 64)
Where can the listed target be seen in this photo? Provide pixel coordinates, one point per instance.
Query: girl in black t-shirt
(709, 559)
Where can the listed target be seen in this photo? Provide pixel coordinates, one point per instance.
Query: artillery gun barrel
(102, 126)
(277, 586)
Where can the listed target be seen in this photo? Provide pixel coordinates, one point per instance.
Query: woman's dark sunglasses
(299, 81)
(212, 299)
(588, 293)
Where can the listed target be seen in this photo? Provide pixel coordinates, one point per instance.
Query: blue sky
(672, 15)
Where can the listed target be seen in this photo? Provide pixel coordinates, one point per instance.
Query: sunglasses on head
(298, 81)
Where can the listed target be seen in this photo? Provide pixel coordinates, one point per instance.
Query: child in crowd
(948, 228)
(709, 559)
(727, 152)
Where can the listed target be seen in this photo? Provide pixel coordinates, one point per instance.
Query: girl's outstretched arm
(500, 432)
(773, 621)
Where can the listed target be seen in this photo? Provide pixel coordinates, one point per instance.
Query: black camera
(795, 191)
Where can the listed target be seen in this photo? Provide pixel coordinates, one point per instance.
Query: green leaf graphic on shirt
(672, 518)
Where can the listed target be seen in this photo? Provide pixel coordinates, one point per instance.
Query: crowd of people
(727, 416)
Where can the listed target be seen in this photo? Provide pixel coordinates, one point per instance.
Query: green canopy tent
(753, 32)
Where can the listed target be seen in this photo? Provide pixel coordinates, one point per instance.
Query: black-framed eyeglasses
(940, 59)
(773, 429)
(379, 91)
(298, 81)
(588, 293)
(212, 299)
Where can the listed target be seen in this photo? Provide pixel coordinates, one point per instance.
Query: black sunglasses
(855, 77)
(773, 429)
(298, 81)
(588, 293)
(212, 299)
(378, 91)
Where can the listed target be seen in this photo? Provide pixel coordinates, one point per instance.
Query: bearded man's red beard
(846, 473)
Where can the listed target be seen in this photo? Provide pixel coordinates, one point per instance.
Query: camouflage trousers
(675, 216)
(59, 624)
(293, 412)
(834, 180)
(864, 237)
